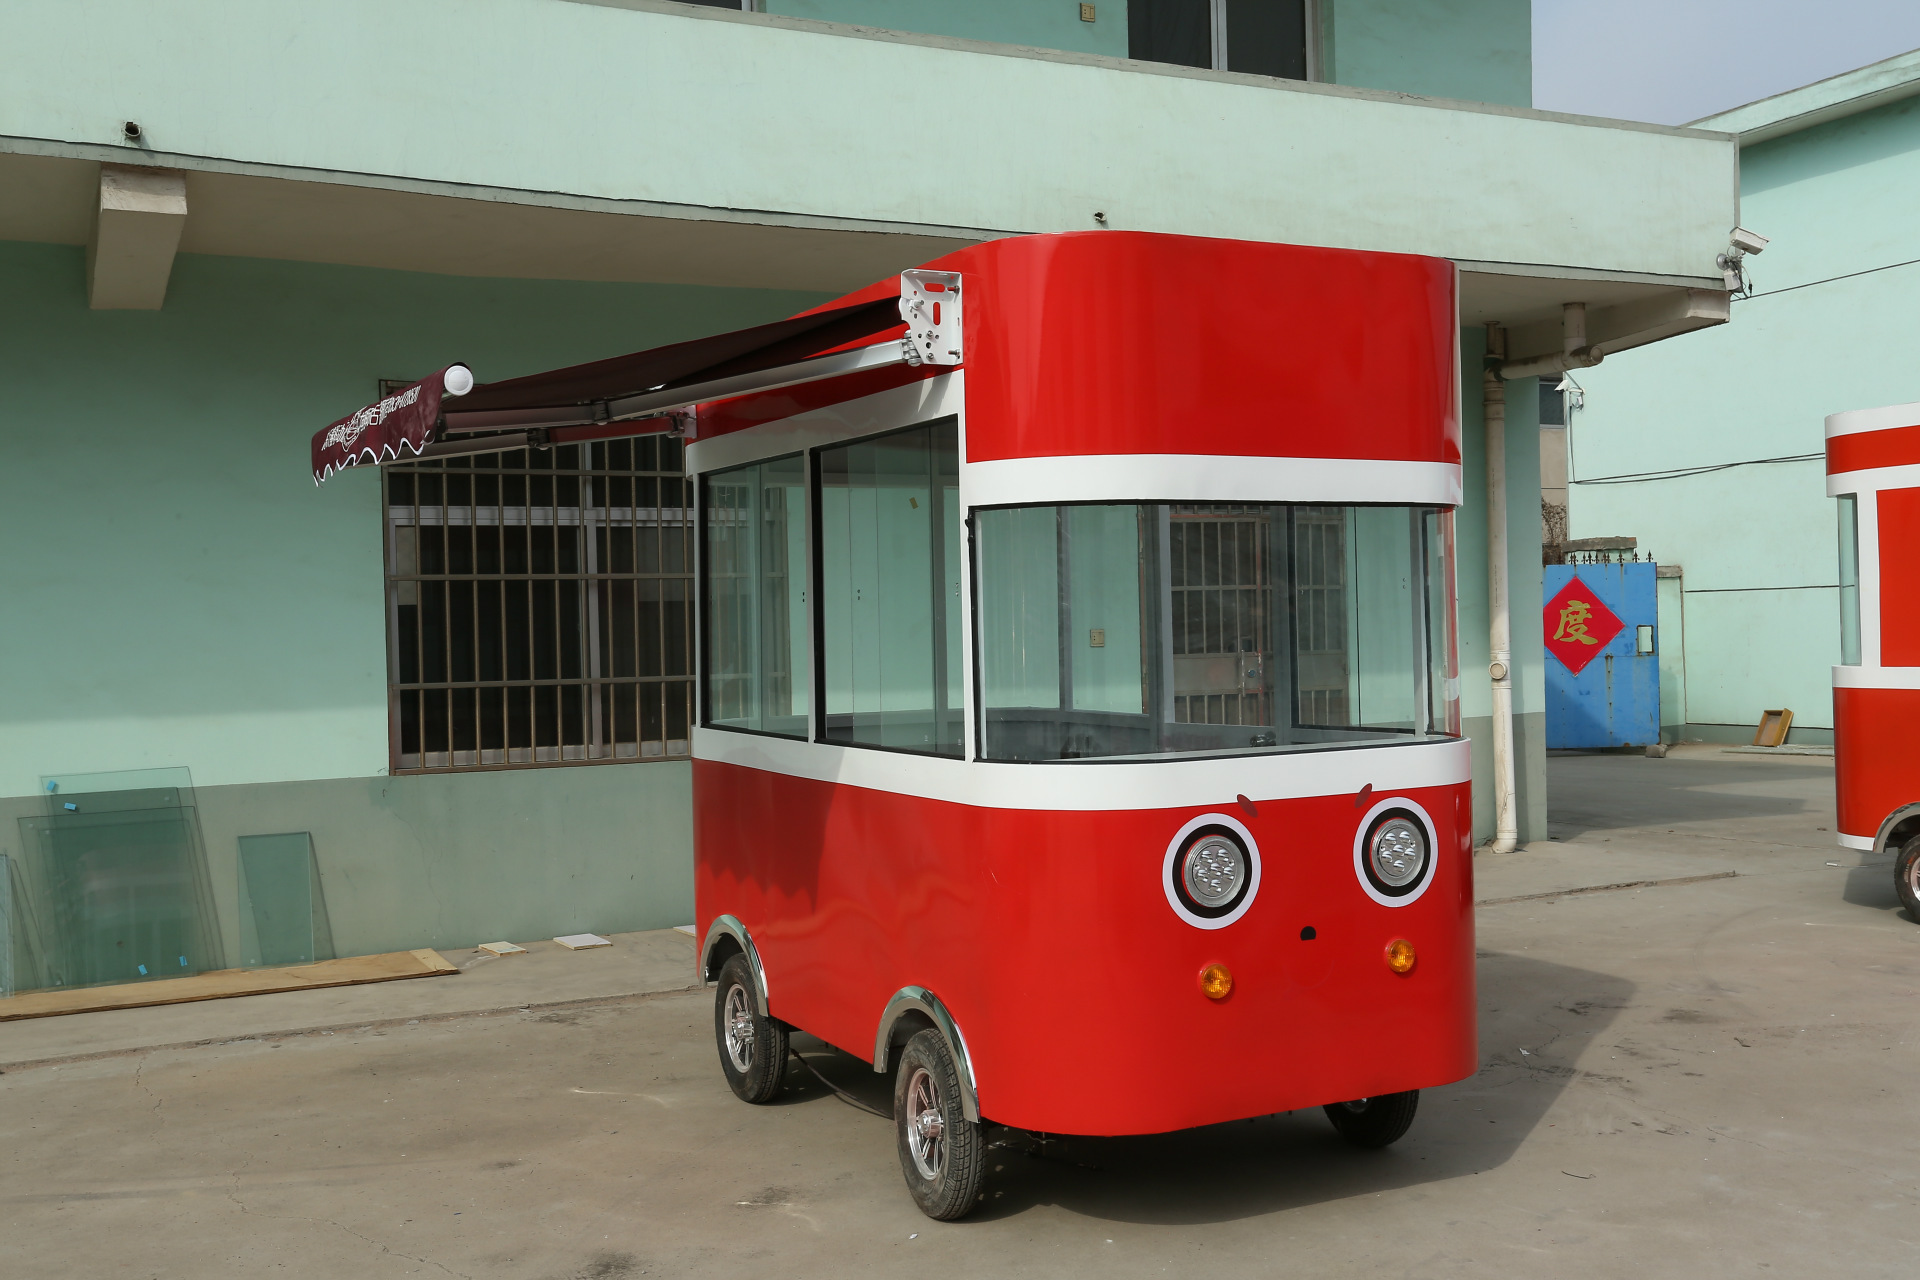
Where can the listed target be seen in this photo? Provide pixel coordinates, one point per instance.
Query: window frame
(816, 534)
(1443, 726)
(1220, 39)
(703, 658)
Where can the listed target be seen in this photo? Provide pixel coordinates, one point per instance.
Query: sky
(1674, 61)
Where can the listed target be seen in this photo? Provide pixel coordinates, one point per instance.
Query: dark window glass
(1259, 37)
(1176, 31)
(1267, 37)
(1553, 402)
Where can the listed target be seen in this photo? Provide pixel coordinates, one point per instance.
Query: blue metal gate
(1603, 665)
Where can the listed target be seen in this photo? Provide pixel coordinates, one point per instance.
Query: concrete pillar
(136, 230)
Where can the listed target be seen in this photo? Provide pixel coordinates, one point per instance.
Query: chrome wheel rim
(1358, 1106)
(738, 1016)
(926, 1125)
(1913, 878)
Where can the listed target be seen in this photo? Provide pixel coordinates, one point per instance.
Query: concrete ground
(1700, 1076)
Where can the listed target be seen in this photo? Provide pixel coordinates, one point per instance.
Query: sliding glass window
(890, 581)
(759, 672)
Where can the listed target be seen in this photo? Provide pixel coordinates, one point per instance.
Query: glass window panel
(1849, 581)
(758, 665)
(1112, 630)
(1020, 593)
(283, 917)
(1176, 31)
(1267, 37)
(889, 581)
(112, 884)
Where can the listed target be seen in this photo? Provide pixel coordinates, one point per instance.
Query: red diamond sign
(1578, 625)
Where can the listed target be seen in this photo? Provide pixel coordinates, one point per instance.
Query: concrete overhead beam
(136, 230)
(1546, 347)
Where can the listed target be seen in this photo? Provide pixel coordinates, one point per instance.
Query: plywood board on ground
(222, 983)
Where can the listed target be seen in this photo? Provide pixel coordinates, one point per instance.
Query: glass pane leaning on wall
(1149, 630)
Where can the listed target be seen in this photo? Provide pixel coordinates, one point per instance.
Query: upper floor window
(1260, 37)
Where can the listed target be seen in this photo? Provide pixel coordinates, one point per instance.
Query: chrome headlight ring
(1211, 871)
(1395, 851)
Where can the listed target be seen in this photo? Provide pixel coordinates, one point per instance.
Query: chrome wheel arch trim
(730, 927)
(920, 1000)
(1884, 837)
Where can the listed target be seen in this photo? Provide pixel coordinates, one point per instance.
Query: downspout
(1493, 407)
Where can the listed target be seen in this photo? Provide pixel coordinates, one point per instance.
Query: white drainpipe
(1493, 401)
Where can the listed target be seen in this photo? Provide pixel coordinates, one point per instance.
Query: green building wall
(1757, 545)
(180, 594)
(1473, 50)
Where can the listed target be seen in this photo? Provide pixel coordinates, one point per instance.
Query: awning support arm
(653, 404)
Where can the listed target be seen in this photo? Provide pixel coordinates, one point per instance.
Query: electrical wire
(1681, 473)
(1829, 280)
(842, 1094)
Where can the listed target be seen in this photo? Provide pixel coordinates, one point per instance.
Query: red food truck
(1079, 737)
(1873, 469)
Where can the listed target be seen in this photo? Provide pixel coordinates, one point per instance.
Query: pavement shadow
(1536, 1018)
(1606, 792)
(1871, 885)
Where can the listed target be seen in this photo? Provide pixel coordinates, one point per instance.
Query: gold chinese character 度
(1573, 622)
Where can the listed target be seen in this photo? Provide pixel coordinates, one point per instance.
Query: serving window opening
(759, 669)
(889, 572)
(1114, 631)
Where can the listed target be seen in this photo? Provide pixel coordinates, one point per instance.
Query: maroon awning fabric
(722, 355)
(415, 416)
(377, 433)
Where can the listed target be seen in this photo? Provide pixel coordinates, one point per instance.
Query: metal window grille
(1320, 614)
(1222, 590)
(538, 606)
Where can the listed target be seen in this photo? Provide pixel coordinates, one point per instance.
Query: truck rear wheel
(942, 1153)
(1375, 1122)
(753, 1049)
(1906, 877)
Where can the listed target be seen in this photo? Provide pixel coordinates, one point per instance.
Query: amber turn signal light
(1215, 982)
(1400, 956)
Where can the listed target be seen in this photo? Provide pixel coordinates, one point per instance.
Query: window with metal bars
(1222, 588)
(538, 606)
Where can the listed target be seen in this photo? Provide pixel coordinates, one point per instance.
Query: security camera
(1747, 242)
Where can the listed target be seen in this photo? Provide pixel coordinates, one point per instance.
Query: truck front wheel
(753, 1049)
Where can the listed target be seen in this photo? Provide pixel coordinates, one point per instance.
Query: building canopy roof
(1834, 98)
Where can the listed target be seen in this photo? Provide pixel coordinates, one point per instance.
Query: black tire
(755, 1058)
(946, 1161)
(1375, 1122)
(1906, 877)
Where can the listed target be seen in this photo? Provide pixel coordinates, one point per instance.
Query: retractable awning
(637, 394)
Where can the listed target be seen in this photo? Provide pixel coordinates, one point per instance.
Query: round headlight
(1396, 854)
(1212, 872)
